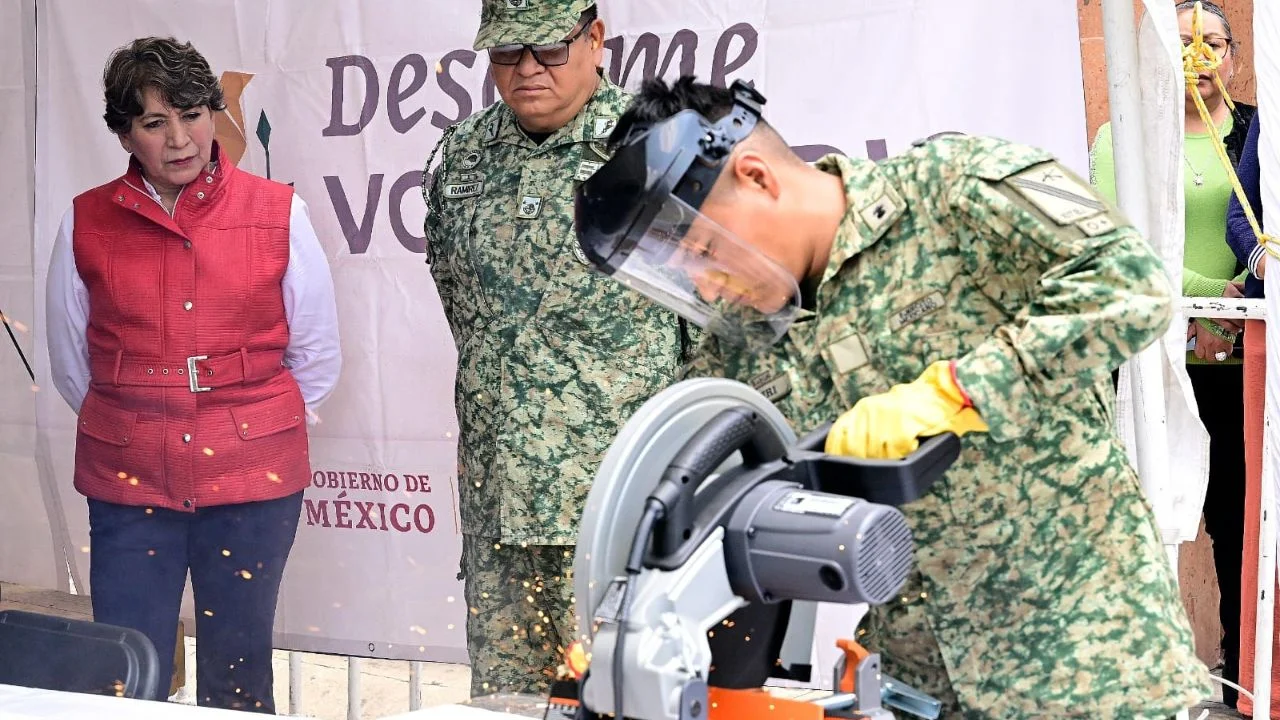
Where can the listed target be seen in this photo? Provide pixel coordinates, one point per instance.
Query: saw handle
(733, 430)
(888, 482)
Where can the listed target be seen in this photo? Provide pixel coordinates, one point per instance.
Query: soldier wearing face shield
(970, 286)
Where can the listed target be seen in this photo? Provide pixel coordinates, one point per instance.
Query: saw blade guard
(632, 469)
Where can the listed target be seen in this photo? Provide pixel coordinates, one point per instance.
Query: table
(19, 703)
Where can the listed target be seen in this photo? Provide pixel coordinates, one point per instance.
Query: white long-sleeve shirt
(313, 354)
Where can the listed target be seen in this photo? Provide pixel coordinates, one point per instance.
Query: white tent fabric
(1180, 444)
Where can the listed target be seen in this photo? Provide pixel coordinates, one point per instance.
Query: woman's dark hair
(175, 70)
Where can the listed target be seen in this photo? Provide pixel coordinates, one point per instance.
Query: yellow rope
(1197, 58)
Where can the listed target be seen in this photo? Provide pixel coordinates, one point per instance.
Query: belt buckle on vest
(193, 374)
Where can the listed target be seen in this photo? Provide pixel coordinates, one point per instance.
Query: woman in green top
(1210, 269)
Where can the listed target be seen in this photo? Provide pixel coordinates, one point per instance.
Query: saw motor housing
(785, 542)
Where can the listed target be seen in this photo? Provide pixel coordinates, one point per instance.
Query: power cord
(654, 510)
(1239, 689)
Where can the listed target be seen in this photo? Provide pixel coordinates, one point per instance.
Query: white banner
(346, 99)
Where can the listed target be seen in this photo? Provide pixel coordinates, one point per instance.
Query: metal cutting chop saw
(708, 537)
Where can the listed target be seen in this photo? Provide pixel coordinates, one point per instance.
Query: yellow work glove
(888, 426)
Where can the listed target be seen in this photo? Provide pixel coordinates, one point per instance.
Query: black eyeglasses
(548, 55)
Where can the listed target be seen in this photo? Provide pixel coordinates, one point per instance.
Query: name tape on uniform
(916, 310)
(457, 191)
(773, 388)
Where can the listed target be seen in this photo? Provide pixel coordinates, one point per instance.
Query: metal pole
(295, 683)
(1124, 93)
(415, 685)
(353, 688)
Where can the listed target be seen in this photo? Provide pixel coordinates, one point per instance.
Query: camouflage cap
(531, 22)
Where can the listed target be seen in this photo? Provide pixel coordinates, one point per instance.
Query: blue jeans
(138, 563)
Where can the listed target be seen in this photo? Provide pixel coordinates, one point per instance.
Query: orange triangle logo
(229, 127)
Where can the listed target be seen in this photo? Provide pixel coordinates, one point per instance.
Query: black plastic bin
(53, 653)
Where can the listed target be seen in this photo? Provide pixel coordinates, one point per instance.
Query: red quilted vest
(189, 404)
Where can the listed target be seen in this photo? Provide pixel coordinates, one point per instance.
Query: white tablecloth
(18, 703)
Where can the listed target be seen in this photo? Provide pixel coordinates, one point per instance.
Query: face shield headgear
(638, 220)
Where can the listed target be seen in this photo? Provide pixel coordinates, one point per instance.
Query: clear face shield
(637, 220)
(687, 263)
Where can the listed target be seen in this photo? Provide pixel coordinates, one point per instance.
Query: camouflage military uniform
(552, 359)
(1042, 587)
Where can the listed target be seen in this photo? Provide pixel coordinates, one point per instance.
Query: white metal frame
(1262, 658)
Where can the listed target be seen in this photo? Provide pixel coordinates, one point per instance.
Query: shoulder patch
(599, 150)
(880, 212)
(1096, 225)
(602, 127)
(586, 169)
(1058, 193)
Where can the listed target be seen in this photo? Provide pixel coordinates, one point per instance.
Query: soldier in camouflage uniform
(969, 285)
(552, 357)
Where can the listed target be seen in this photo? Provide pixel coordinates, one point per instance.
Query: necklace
(1197, 176)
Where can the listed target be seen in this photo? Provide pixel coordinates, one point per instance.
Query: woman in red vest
(192, 322)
